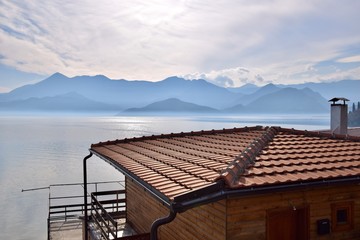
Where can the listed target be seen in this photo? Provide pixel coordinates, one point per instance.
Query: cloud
(232, 77)
(4, 89)
(349, 59)
(228, 42)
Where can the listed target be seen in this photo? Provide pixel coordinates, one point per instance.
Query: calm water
(39, 151)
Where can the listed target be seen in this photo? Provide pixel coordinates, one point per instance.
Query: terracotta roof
(175, 164)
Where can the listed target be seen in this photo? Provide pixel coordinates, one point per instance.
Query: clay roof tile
(240, 157)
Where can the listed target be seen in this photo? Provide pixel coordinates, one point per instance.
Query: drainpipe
(161, 221)
(85, 196)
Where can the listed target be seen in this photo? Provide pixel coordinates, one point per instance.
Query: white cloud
(219, 40)
(232, 77)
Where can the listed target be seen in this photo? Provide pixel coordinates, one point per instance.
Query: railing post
(48, 233)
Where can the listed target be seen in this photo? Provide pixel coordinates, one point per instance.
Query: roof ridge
(246, 159)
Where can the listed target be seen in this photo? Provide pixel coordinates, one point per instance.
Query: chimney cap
(335, 99)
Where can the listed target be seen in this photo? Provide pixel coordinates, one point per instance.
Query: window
(342, 216)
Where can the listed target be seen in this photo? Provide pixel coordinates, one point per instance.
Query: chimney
(339, 116)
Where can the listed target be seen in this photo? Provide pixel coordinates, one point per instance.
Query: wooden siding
(240, 217)
(246, 217)
(142, 208)
(204, 222)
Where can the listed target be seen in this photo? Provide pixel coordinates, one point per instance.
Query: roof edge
(157, 194)
(181, 134)
(247, 158)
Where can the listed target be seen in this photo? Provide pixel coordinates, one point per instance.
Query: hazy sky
(229, 43)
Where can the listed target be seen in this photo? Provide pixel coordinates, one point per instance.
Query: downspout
(184, 204)
(85, 196)
(161, 221)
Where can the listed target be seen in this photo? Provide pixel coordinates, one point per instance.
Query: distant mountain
(172, 105)
(65, 102)
(99, 92)
(289, 100)
(245, 89)
(267, 89)
(238, 108)
(349, 89)
(125, 93)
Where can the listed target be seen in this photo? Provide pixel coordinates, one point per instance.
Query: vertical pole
(85, 196)
(49, 204)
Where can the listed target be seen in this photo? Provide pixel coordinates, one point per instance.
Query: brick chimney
(339, 116)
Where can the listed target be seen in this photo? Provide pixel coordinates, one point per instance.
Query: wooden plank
(246, 216)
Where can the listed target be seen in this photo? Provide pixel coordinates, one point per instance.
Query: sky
(226, 42)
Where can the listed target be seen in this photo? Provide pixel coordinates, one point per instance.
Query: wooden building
(241, 183)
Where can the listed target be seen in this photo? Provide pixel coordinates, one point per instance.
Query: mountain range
(99, 93)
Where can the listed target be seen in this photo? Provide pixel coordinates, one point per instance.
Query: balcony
(106, 212)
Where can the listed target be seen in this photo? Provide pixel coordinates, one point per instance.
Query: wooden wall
(242, 217)
(142, 208)
(204, 222)
(246, 217)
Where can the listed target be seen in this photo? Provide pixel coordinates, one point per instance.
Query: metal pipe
(161, 221)
(85, 196)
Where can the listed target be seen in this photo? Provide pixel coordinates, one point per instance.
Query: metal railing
(105, 219)
(70, 206)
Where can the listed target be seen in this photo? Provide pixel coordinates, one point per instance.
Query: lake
(36, 151)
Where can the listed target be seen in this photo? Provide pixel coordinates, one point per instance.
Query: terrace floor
(66, 230)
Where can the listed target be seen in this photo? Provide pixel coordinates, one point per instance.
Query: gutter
(218, 192)
(186, 201)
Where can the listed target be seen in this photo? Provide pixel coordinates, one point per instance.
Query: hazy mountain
(346, 88)
(289, 100)
(125, 93)
(238, 108)
(99, 92)
(172, 105)
(267, 89)
(245, 89)
(65, 102)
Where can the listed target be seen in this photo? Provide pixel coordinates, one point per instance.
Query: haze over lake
(36, 151)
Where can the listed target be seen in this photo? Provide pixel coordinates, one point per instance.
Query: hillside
(172, 105)
(354, 116)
